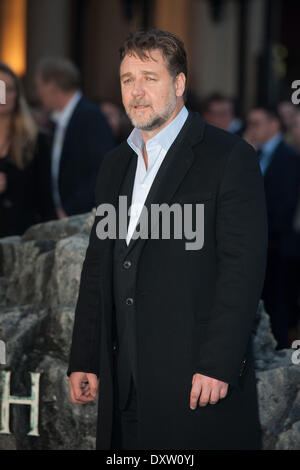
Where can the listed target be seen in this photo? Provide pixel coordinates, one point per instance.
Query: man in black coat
(69, 157)
(280, 165)
(164, 324)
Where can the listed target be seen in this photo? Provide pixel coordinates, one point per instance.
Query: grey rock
(39, 282)
(58, 328)
(8, 247)
(62, 425)
(57, 229)
(87, 226)
(20, 329)
(264, 344)
(278, 391)
(289, 439)
(29, 278)
(68, 258)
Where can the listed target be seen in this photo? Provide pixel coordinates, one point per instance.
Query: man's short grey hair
(61, 71)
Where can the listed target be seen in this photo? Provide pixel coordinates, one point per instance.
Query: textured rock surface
(39, 280)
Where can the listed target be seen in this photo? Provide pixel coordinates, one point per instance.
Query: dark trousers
(124, 431)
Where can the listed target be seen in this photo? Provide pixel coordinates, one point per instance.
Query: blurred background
(247, 49)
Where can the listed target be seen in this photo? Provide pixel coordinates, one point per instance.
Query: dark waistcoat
(124, 274)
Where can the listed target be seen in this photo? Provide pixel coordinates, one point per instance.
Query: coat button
(129, 301)
(114, 347)
(127, 264)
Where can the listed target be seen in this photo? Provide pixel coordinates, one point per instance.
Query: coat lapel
(110, 190)
(173, 169)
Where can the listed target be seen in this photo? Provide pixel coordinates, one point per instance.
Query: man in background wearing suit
(280, 165)
(68, 162)
(167, 329)
(219, 110)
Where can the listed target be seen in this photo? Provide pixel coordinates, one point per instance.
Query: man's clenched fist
(206, 390)
(83, 394)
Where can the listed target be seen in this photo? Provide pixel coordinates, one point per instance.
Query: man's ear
(180, 82)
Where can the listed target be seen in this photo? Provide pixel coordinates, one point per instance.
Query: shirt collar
(62, 117)
(235, 125)
(271, 144)
(164, 138)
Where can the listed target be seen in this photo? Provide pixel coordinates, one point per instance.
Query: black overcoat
(194, 308)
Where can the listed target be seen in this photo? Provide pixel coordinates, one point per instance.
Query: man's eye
(127, 81)
(151, 79)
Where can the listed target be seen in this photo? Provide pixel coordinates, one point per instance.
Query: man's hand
(206, 390)
(84, 394)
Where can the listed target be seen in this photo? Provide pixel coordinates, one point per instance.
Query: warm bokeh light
(176, 23)
(13, 34)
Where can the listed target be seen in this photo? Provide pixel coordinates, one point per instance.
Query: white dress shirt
(61, 118)
(156, 148)
(268, 150)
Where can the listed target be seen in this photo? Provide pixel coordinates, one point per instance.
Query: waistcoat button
(129, 301)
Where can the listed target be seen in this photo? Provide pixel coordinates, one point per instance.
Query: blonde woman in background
(18, 134)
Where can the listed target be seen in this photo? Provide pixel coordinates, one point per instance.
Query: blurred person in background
(287, 112)
(117, 120)
(280, 165)
(17, 145)
(218, 110)
(69, 158)
(40, 116)
(295, 131)
(295, 265)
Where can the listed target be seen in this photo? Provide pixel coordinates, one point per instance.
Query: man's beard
(156, 120)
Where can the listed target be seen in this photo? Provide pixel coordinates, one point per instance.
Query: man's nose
(138, 89)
